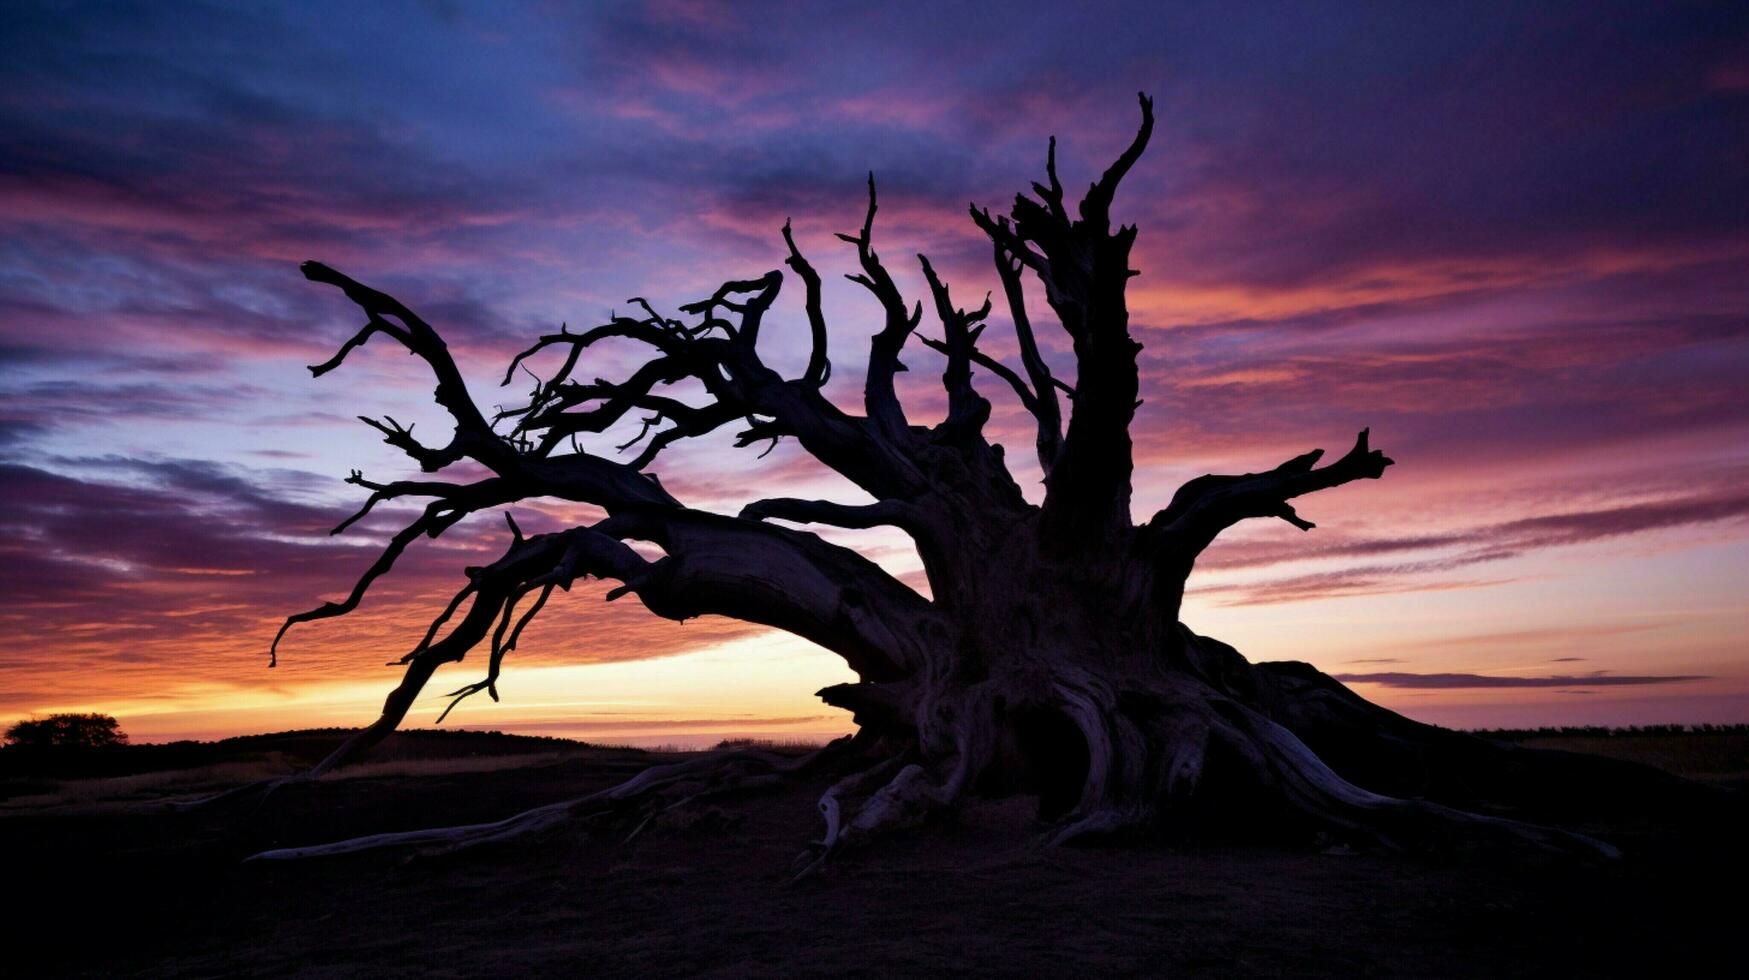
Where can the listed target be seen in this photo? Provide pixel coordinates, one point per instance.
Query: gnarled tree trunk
(1049, 658)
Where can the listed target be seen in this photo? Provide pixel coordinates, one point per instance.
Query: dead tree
(1048, 658)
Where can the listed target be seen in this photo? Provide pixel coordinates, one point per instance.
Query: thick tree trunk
(1122, 723)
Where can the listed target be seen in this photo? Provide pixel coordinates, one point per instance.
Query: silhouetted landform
(1402, 679)
(1716, 755)
(708, 891)
(1609, 731)
(22, 768)
(305, 747)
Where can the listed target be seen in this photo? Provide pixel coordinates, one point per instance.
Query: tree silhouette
(1048, 658)
(78, 731)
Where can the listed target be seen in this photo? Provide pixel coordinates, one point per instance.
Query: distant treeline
(1606, 731)
(305, 747)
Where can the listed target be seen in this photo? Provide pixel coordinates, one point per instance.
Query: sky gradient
(1513, 239)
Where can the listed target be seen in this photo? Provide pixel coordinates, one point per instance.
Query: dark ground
(98, 885)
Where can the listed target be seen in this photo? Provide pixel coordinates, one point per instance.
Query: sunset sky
(1513, 239)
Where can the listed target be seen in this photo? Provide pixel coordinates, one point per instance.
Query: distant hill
(305, 747)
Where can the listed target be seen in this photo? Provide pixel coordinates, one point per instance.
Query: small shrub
(78, 731)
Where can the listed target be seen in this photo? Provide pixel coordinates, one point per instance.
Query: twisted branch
(1208, 505)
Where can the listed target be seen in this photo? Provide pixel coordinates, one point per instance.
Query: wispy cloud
(1490, 544)
(1449, 681)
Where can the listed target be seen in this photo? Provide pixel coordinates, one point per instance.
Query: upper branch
(659, 334)
(855, 516)
(760, 294)
(1084, 267)
(819, 368)
(380, 492)
(720, 353)
(454, 503)
(1208, 505)
(555, 422)
(735, 566)
(473, 434)
(967, 411)
(1044, 386)
(879, 399)
(1000, 370)
(1096, 206)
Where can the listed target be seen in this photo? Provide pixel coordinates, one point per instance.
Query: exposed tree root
(1138, 781)
(1316, 791)
(658, 789)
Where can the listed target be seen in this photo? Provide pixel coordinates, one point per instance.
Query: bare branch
(390, 491)
(967, 411)
(1052, 195)
(860, 516)
(879, 399)
(819, 368)
(1208, 505)
(1006, 239)
(760, 293)
(1045, 407)
(992, 365)
(1084, 268)
(648, 331)
(473, 436)
(374, 325)
(524, 563)
(556, 423)
(1096, 206)
(500, 647)
(439, 516)
(687, 422)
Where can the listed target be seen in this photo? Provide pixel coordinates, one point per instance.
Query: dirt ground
(101, 887)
